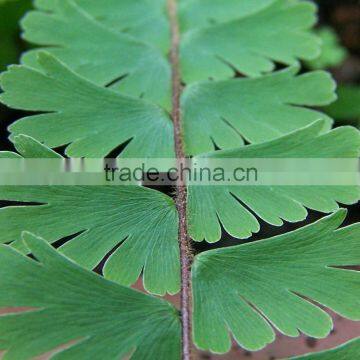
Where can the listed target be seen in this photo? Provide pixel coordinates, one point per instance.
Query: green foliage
(332, 53)
(257, 110)
(209, 205)
(145, 20)
(244, 289)
(205, 13)
(98, 218)
(347, 107)
(279, 32)
(100, 78)
(84, 116)
(68, 306)
(98, 53)
(29, 148)
(123, 215)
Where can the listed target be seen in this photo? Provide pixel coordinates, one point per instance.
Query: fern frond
(93, 119)
(223, 113)
(76, 314)
(332, 52)
(98, 53)
(274, 204)
(98, 219)
(250, 45)
(28, 147)
(249, 289)
(145, 20)
(100, 79)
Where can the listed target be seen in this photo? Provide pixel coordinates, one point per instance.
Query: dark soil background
(344, 17)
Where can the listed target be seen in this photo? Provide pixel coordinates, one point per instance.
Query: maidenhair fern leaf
(210, 204)
(332, 53)
(98, 219)
(347, 351)
(247, 289)
(262, 109)
(145, 20)
(249, 45)
(98, 53)
(84, 114)
(76, 313)
(29, 148)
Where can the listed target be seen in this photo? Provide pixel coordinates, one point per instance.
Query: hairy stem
(181, 191)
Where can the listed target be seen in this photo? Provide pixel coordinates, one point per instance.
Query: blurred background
(339, 28)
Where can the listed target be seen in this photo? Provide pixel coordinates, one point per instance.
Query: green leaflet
(244, 289)
(204, 13)
(280, 32)
(274, 204)
(145, 20)
(348, 351)
(332, 53)
(98, 53)
(93, 119)
(144, 221)
(9, 155)
(29, 148)
(98, 218)
(67, 305)
(258, 110)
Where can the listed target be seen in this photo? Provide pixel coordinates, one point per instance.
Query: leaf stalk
(181, 190)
